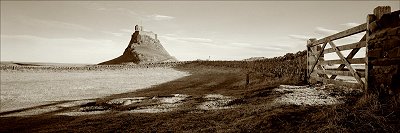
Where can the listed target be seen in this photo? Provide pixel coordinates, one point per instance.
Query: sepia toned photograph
(200, 66)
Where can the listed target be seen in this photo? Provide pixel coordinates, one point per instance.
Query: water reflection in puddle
(215, 101)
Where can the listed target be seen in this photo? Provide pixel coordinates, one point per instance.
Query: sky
(92, 32)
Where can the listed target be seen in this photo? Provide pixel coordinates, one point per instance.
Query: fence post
(310, 61)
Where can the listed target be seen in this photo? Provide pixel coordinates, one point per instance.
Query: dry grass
(254, 111)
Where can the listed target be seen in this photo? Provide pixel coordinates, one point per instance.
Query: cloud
(125, 10)
(117, 34)
(52, 23)
(241, 44)
(194, 39)
(61, 50)
(101, 9)
(250, 46)
(190, 48)
(173, 37)
(299, 37)
(351, 24)
(59, 24)
(56, 41)
(170, 38)
(127, 30)
(265, 48)
(106, 9)
(324, 31)
(160, 17)
(327, 32)
(210, 42)
(93, 5)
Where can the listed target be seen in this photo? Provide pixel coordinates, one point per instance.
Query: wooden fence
(317, 66)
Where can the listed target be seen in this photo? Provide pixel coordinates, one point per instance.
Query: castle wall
(149, 33)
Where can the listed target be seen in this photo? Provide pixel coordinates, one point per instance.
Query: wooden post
(310, 61)
(321, 59)
(316, 57)
(370, 19)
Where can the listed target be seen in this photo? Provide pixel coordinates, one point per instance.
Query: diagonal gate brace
(350, 56)
(353, 72)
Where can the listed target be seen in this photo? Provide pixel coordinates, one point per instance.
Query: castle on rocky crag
(144, 47)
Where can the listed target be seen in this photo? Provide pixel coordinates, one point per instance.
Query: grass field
(217, 99)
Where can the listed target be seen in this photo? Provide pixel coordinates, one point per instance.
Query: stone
(390, 44)
(394, 53)
(392, 32)
(375, 53)
(385, 62)
(371, 44)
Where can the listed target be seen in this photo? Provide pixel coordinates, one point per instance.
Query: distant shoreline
(14, 66)
(41, 63)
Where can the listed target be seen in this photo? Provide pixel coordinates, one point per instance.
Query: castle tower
(137, 28)
(136, 38)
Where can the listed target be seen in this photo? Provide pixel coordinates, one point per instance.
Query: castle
(144, 47)
(140, 30)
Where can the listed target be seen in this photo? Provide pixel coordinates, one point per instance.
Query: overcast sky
(92, 32)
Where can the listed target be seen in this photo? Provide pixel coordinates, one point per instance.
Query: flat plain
(196, 98)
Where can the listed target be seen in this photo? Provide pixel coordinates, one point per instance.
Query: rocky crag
(144, 47)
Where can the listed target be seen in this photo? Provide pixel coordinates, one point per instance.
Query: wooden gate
(318, 67)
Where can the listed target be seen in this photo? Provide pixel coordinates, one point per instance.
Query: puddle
(288, 87)
(156, 108)
(164, 104)
(74, 103)
(158, 104)
(126, 101)
(79, 113)
(216, 97)
(216, 101)
(304, 95)
(86, 110)
(93, 108)
(140, 105)
(175, 99)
